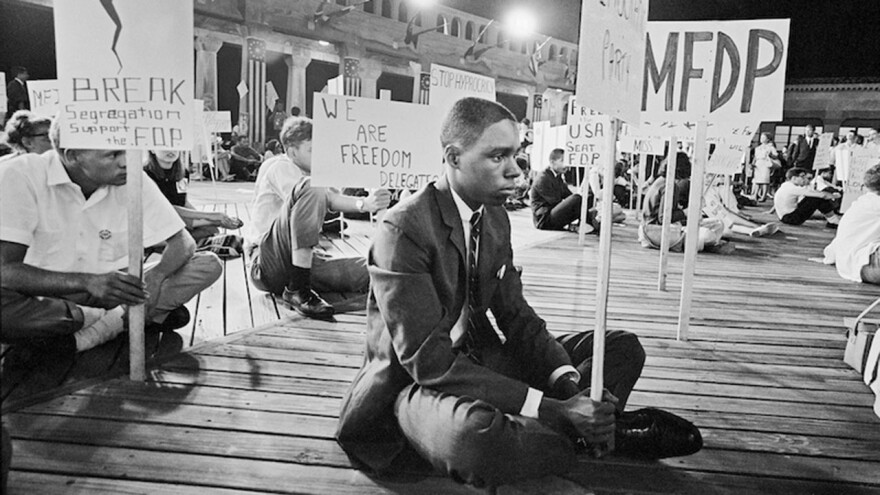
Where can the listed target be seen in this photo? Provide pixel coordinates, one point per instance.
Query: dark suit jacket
(801, 154)
(547, 192)
(418, 275)
(17, 97)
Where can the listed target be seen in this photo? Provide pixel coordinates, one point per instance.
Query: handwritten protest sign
(449, 85)
(727, 159)
(586, 136)
(860, 160)
(114, 94)
(719, 71)
(217, 122)
(823, 151)
(611, 55)
(44, 97)
(361, 142)
(641, 145)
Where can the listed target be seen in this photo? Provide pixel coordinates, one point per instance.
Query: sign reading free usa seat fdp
(125, 73)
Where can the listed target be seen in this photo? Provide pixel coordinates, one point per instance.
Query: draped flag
(256, 80)
(351, 77)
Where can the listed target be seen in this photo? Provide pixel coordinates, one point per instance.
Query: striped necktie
(469, 346)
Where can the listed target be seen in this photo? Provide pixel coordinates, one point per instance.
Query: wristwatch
(360, 205)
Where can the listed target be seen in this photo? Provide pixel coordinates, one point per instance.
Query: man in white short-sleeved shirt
(795, 202)
(63, 249)
(856, 247)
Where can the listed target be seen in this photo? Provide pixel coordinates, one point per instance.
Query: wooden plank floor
(255, 410)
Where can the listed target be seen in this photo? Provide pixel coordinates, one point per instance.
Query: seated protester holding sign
(487, 406)
(856, 246)
(794, 202)
(554, 206)
(166, 170)
(650, 229)
(64, 249)
(286, 257)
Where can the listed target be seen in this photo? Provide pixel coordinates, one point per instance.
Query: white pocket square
(501, 272)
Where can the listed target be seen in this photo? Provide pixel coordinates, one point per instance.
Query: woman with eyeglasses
(27, 132)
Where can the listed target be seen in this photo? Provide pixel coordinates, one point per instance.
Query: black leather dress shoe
(308, 303)
(176, 318)
(654, 434)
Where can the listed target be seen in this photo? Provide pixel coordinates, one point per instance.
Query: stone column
(416, 70)
(206, 70)
(371, 69)
(297, 62)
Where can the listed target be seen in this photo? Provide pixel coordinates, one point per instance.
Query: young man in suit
(487, 406)
(803, 151)
(554, 206)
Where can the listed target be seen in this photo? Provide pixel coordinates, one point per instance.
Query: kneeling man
(487, 406)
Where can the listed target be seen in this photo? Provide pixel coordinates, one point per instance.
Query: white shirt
(274, 185)
(533, 396)
(858, 236)
(43, 209)
(787, 197)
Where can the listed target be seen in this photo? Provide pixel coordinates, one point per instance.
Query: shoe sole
(315, 316)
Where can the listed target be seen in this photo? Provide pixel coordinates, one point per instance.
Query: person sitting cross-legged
(856, 246)
(554, 206)
(64, 249)
(288, 217)
(795, 202)
(488, 404)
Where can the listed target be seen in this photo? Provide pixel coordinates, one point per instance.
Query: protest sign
(44, 97)
(641, 145)
(113, 93)
(362, 142)
(449, 85)
(824, 152)
(586, 136)
(718, 71)
(217, 122)
(860, 160)
(727, 159)
(611, 57)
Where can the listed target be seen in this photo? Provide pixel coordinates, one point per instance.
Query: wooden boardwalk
(255, 410)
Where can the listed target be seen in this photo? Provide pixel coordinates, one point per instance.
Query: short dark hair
(295, 111)
(872, 178)
(296, 130)
(557, 154)
(18, 70)
(468, 119)
(795, 172)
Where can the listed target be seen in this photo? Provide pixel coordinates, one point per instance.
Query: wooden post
(671, 161)
(598, 379)
(695, 208)
(136, 315)
(582, 225)
(643, 170)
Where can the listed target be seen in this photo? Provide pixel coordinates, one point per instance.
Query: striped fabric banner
(424, 88)
(256, 81)
(351, 78)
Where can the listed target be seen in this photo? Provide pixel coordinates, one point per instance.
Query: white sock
(106, 328)
(91, 315)
(833, 219)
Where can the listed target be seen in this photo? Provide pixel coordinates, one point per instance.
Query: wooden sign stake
(598, 379)
(136, 314)
(671, 162)
(695, 208)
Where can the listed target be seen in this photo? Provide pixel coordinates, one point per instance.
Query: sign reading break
(113, 93)
(359, 142)
(716, 71)
(610, 54)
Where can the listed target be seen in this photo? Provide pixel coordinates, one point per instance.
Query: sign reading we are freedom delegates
(360, 142)
(125, 73)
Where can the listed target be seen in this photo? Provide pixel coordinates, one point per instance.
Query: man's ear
(451, 154)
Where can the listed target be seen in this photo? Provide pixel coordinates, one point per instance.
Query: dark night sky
(828, 38)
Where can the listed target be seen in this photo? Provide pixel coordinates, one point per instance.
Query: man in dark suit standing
(487, 406)
(803, 151)
(554, 206)
(17, 97)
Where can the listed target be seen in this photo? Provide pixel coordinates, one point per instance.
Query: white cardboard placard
(114, 93)
(44, 97)
(611, 56)
(449, 85)
(363, 142)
